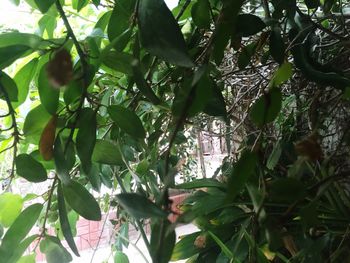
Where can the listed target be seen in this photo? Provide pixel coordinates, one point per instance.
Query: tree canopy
(112, 93)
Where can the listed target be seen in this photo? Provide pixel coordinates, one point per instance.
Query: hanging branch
(15, 133)
(84, 67)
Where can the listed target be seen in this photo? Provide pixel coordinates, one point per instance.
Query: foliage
(118, 107)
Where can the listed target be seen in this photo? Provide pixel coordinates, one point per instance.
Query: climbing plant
(113, 102)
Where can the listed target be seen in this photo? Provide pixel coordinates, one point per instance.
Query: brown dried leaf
(47, 139)
(201, 241)
(309, 147)
(60, 69)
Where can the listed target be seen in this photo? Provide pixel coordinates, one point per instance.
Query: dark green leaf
(30, 169)
(10, 87)
(267, 107)
(249, 25)
(142, 84)
(73, 92)
(86, 137)
(274, 156)
(127, 120)
(65, 226)
(241, 173)
(277, 46)
(222, 245)
(54, 250)
(23, 79)
(312, 3)
(162, 246)
(20, 228)
(10, 54)
(245, 56)
(44, 6)
(107, 153)
(81, 201)
(118, 61)
(49, 95)
(199, 183)
(165, 41)
(216, 105)
(64, 157)
(94, 177)
(121, 18)
(201, 13)
(139, 206)
(286, 189)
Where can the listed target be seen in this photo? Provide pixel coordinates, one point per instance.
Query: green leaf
(23, 79)
(94, 177)
(30, 169)
(10, 207)
(246, 55)
(121, 18)
(54, 250)
(139, 206)
(15, 2)
(73, 92)
(48, 23)
(216, 105)
(277, 46)
(27, 259)
(10, 54)
(241, 172)
(65, 226)
(185, 248)
(142, 84)
(118, 61)
(79, 4)
(20, 228)
(120, 257)
(200, 12)
(45, 5)
(49, 95)
(284, 72)
(165, 41)
(199, 183)
(221, 244)
(162, 246)
(249, 25)
(86, 137)
(107, 153)
(127, 120)
(266, 108)
(9, 86)
(14, 38)
(81, 201)
(286, 190)
(274, 156)
(64, 159)
(16, 253)
(35, 123)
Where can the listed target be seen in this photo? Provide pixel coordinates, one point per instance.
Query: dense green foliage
(118, 108)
